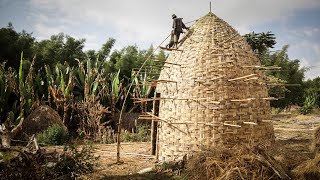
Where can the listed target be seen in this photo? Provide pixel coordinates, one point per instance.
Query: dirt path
(135, 157)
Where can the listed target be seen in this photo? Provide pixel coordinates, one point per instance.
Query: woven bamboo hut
(213, 92)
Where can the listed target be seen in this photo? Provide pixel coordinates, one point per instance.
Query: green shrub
(54, 135)
(142, 135)
(76, 161)
(308, 104)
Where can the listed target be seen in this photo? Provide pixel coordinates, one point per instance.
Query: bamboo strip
(232, 125)
(270, 98)
(166, 121)
(263, 67)
(251, 123)
(170, 49)
(219, 77)
(242, 100)
(242, 77)
(284, 84)
(253, 78)
(168, 63)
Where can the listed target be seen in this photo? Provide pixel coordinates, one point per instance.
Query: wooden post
(154, 124)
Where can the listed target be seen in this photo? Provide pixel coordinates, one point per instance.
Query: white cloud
(44, 31)
(309, 32)
(146, 22)
(149, 20)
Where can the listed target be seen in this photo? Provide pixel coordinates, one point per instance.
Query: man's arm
(184, 26)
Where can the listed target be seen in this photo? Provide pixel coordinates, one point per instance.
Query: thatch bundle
(239, 162)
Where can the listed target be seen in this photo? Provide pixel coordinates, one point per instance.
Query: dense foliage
(297, 91)
(84, 86)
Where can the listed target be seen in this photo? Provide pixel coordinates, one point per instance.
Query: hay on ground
(316, 141)
(308, 170)
(240, 162)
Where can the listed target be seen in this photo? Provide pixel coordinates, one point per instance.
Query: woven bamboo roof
(215, 95)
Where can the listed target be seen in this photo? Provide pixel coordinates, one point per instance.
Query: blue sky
(146, 22)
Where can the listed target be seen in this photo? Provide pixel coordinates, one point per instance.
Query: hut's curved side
(213, 92)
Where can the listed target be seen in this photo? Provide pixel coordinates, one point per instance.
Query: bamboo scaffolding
(166, 121)
(170, 49)
(270, 98)
(284, 84)
(242, 77)
(167, 62)
(253, 78)
(263, 67)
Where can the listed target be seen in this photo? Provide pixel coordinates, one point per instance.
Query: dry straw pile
(239, 162)
(213, 92)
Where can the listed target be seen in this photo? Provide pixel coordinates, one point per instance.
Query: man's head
(173, 16)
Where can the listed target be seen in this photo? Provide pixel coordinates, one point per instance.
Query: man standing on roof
(178, 27)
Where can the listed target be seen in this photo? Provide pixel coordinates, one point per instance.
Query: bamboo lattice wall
(212, 92)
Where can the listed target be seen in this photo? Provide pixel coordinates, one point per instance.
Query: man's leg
(176, 38)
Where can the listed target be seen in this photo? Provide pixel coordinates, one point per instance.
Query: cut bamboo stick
(270, 98)
(242, 77)
(284, 84)
(242, 100)
(170, 49)
(232, 125)
(251, 123)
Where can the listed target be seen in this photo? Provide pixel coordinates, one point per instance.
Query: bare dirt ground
(293, 139)
(294, 133)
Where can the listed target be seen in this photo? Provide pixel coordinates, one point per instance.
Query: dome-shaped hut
(212, 91)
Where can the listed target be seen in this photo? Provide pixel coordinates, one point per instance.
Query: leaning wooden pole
(154, 124)
(125, 99)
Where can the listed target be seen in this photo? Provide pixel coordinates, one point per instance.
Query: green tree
(106, 49)
(261, 42)
(291, 72)
(12, 43)
(59, 49)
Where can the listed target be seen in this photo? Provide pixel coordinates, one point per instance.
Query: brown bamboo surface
(218, 96)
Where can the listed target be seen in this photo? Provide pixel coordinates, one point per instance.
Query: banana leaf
(115, 85)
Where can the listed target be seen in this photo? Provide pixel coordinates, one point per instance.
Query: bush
(54, 135)
(72, 163)
(142, 135)
(76, 161)
(308, 104)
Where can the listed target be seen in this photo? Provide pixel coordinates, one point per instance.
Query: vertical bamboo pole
(154, 124)
(125, 99)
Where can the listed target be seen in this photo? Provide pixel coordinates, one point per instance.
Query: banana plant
(142, 88)
(26, 95)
